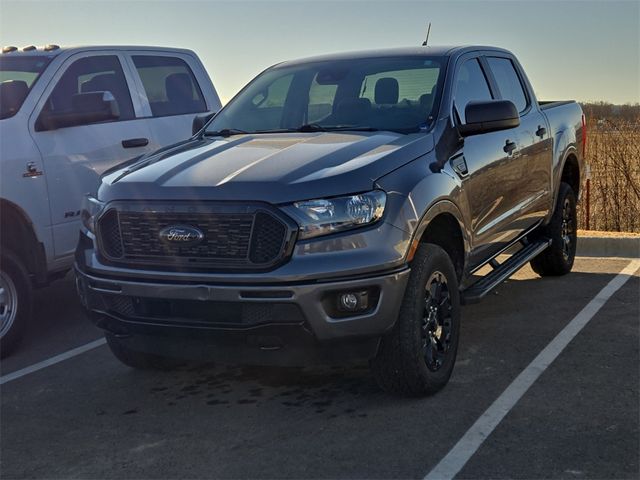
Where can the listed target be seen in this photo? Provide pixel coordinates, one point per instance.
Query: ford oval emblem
(181, 235)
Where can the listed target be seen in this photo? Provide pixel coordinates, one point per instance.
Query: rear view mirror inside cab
(259, 99)
(331, 76)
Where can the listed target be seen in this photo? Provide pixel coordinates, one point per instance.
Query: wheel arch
(18, 235)
(570, 172)
(441, 224)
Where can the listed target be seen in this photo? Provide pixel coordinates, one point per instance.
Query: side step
(501, 272)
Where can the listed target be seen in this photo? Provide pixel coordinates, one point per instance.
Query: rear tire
(558, 258)
(139, 360)
(15, 301)
(417, 357)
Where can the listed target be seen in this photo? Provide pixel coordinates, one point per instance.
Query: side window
(91, 74)
(170, 85)
(471, 85)
(508, 81)
(275, 95)
(268, 106)
(321, 97)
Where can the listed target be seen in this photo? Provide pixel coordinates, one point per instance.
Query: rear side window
(91, 74)
(508, 81)
(471, 85)
(170, 85)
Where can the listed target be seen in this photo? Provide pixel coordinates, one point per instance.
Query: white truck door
(76, 154)
(174, 88)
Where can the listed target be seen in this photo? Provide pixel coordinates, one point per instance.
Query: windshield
(17, 76)
(397, 94)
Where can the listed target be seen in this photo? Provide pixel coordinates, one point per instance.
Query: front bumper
(290, 306)
(98, 294)
(247, 323)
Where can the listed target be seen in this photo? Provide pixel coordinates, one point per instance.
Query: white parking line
(460, 454)
(51, 361)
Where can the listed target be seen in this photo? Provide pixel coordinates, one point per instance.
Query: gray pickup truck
(338, 208)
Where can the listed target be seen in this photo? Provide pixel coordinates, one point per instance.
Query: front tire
(418, 355)
(558, 258)
(139, 360)
(15, 301)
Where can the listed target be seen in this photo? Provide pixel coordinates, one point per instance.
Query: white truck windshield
(17, 76)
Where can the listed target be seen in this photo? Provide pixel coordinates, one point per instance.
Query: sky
(571, 49)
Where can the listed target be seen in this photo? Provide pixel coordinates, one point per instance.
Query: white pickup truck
(66, 116)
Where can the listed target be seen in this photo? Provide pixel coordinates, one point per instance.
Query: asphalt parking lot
(91, 417)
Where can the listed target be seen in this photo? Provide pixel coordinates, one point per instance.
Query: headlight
(91, 207)
(329, 215)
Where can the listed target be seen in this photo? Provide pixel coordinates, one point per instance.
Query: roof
(434, 51)
(40, 51)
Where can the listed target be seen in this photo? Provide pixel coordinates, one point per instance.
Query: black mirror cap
(490, 116)
(199, 121)
(86, 108)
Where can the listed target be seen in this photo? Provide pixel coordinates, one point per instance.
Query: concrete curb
(602, 244)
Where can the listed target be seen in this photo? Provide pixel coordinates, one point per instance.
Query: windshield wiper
(314, 127)
(307, 128)
(225, 132)
(311, 127)
(354, 128)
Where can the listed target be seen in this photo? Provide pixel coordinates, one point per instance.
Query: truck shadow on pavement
(321, 390)
(508, 312)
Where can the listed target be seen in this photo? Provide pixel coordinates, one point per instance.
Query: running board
(501, 272)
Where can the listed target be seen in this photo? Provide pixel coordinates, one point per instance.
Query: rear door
(173, 89)
(531, 188)
(76, 156)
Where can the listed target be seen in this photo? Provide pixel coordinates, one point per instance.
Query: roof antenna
(424, 44)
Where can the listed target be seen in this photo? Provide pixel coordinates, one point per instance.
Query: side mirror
(199, 121)
(86, 108)
(484, 117)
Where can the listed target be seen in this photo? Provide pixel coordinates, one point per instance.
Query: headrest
(426, 100)
(12, 94)
(386, 91)
(179, 87)
(353, 110)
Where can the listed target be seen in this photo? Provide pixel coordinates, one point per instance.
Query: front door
(490, 168)
(76, 156)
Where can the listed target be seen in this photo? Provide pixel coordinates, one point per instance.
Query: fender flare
(569, 151)
(438, 208)
(31, 250)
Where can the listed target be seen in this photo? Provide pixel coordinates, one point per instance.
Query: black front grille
(267, 238)
(225, 236)
(110, 231)
(244, 238)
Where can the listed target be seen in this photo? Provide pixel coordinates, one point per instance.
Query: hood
(274, 168)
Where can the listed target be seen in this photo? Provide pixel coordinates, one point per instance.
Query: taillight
(584, 134)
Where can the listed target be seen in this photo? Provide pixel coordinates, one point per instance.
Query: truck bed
(553, 103)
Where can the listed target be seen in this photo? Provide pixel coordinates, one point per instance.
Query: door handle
(509, 147)
(541, 132)
(135, 142)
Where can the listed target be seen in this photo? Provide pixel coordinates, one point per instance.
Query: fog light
(349, 301)
(353, 301)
